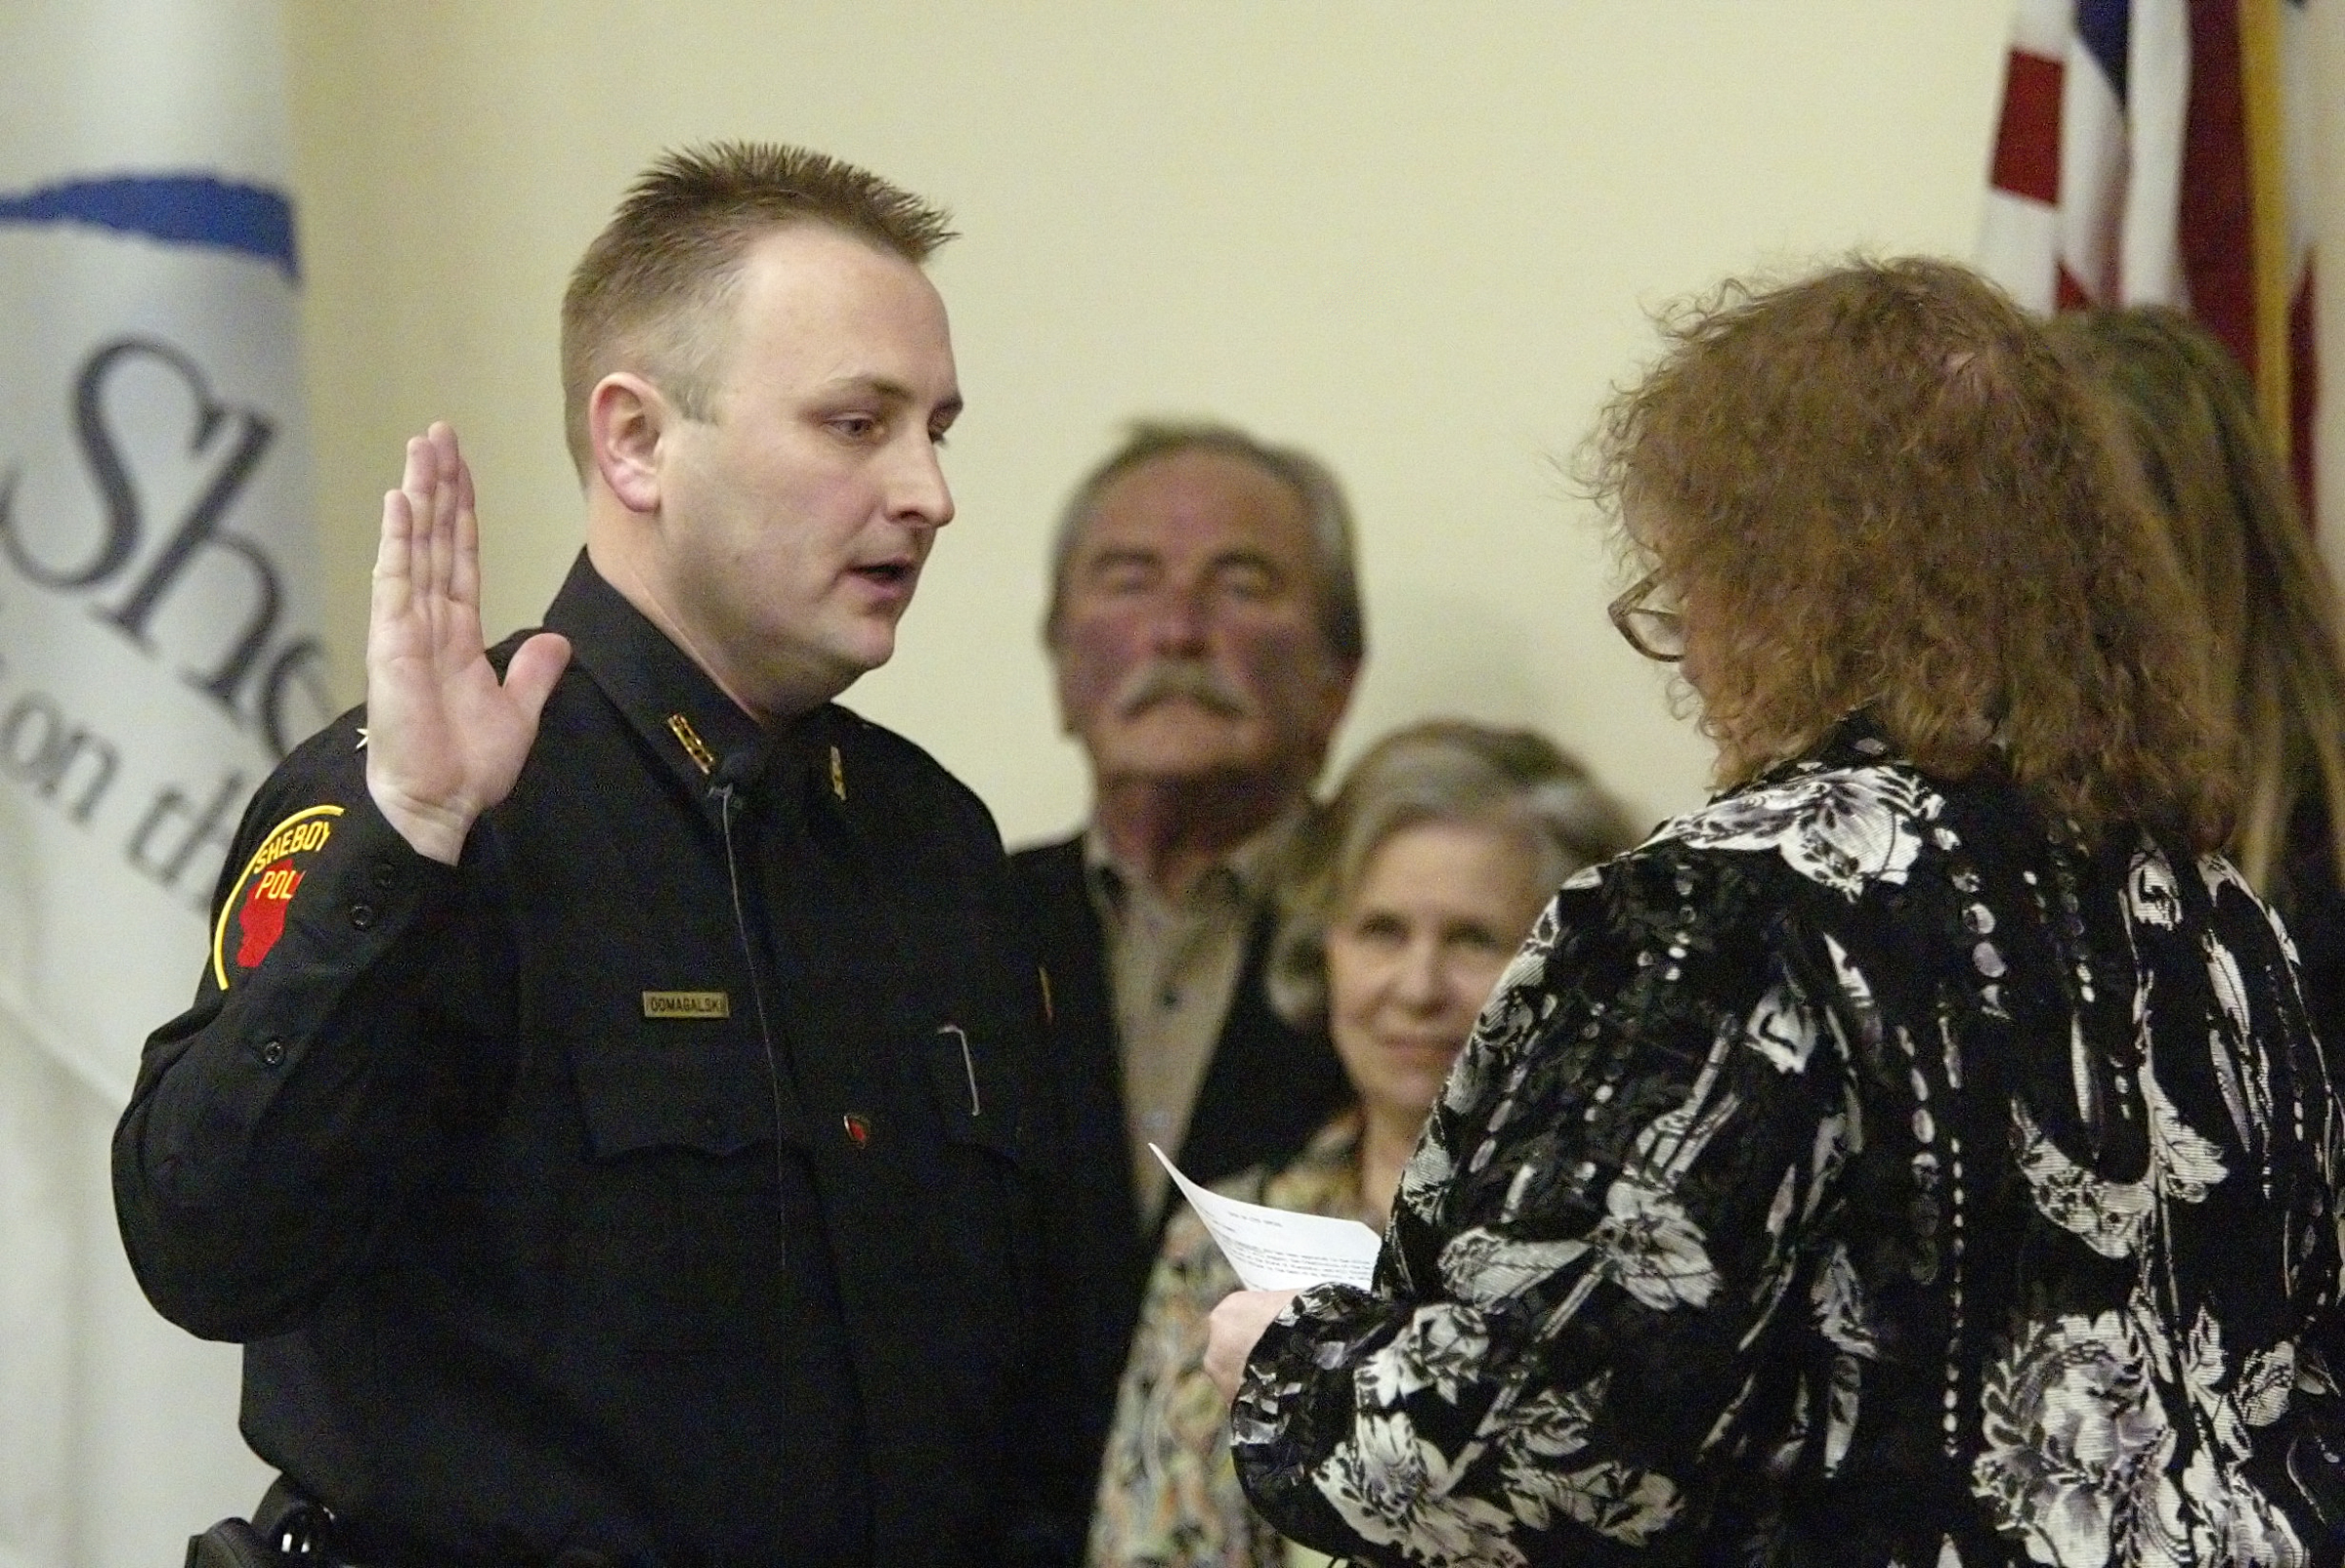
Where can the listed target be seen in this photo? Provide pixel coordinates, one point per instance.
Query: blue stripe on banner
(2102, 25)
(177, 209)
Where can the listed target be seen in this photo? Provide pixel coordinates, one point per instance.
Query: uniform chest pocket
(978, 1195)
(670, 1226)
(687, 1085)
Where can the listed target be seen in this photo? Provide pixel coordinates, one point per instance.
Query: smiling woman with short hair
(1397, 913)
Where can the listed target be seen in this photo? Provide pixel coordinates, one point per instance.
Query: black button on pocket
(384, 876)
(273, 1053)
(640, 1091)
(361, 916)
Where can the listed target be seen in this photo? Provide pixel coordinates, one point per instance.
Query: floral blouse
(1862, 1170)
(1168, 1495)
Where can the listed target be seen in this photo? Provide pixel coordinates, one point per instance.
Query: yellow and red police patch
(253, 915)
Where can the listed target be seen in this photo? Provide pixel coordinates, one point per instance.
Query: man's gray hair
(1312, 480)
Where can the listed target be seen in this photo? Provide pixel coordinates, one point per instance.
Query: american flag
(2160, 151)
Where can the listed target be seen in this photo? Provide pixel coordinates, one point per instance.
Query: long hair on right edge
(2266, 598)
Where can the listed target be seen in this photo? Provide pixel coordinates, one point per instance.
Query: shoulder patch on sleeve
(253, 914)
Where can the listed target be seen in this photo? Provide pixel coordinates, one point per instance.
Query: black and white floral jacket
(1863, 1170)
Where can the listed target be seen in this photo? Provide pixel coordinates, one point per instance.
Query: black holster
(285, 1531)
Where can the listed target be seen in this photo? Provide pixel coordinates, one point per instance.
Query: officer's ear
(625, 417)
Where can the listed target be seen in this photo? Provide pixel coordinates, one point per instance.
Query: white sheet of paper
(1273, 1250)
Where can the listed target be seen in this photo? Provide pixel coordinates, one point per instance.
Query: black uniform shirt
(660, 1181)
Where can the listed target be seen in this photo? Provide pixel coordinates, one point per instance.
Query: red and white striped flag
(2160, 151)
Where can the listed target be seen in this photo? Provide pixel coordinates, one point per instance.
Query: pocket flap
(657, 1089)
(974, 1098)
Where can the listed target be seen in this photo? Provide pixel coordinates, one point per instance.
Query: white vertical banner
(158, 650)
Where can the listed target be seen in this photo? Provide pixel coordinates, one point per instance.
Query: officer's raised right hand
(445, 741)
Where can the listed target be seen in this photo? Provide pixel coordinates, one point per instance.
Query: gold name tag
(686, 1004)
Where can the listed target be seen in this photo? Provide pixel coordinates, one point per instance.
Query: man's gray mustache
(1165, 680)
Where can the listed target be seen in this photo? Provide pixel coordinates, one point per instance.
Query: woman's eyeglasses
(1657, 634)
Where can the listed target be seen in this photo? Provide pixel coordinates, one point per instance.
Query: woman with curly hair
(1396, 913)
(1919, 1155)
(2266, 601)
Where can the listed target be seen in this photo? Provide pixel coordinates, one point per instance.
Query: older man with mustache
(1205, 631)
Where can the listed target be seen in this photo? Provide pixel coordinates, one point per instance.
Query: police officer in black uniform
(610, 1115)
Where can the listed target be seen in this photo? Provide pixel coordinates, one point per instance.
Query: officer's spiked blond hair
(651, 295)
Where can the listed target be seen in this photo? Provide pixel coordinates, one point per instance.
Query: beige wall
(1419, 240)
